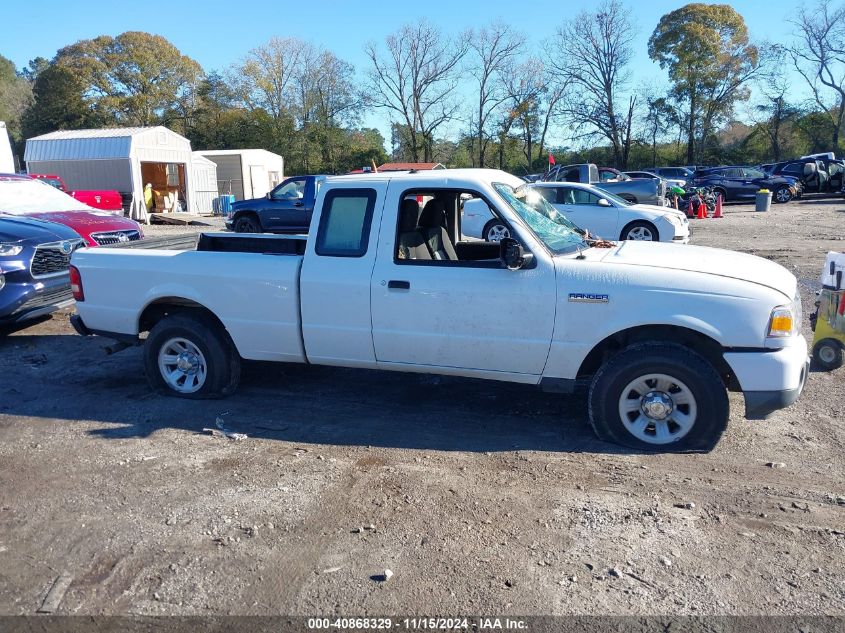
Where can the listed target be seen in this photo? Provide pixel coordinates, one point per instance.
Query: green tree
(706, 49)
(135, 77)
(15, 97)
(59, 104)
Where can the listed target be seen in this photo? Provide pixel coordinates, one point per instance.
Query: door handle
(398, 285)
(297, 204)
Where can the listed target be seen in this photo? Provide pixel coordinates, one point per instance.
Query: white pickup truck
(387, 280)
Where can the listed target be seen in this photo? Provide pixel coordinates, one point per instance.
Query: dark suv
(737, 183)
(817, 175)
(34, 260)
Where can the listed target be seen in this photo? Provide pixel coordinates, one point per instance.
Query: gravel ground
(479, 497)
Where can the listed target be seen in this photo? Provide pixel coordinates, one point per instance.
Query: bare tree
(416, 81)
(492, 50)
(818, 54)
(592, 52)
(773, 114)
(264, 79)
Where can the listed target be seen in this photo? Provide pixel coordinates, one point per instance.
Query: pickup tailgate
(255, 296)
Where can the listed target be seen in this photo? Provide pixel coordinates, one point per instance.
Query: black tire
(642, 225)
(676, 361)
(721, 192)
(222, 362)
(247, 223)
(782, 195)
(493, 224)
(827, 354)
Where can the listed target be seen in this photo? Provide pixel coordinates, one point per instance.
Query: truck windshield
(553, 229)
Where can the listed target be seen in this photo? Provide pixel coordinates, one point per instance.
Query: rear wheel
(659, 397)
(247, 224)
(191, 356)
(783, 194)
(640, 231)
(827, 354)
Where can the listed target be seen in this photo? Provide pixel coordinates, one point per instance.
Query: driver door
(286, 210)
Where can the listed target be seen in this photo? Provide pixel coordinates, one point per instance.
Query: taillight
(76, 284)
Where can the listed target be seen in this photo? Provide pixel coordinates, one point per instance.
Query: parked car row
(40, 229)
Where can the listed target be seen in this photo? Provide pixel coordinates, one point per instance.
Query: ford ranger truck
(387, 280)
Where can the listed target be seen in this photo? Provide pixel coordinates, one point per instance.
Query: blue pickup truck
(34, 260)
(285, 209)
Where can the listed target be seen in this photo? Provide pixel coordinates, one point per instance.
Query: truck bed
(254, 288)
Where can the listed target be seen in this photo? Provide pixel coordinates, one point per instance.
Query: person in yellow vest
(148, 196)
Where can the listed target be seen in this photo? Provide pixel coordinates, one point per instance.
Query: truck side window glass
(345, 222)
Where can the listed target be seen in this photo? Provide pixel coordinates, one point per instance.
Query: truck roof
(438, 177)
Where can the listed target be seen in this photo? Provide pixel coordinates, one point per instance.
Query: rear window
(345, 222)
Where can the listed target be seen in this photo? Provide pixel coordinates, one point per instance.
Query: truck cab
(287, 208)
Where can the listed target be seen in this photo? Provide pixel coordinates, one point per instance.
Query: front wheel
(247, 224)
(827, 354)
(191, 356)
(783, 194)
(640, 231)
(659, 397)
(496, 231)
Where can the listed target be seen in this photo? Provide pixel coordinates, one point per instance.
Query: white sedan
(601, 213)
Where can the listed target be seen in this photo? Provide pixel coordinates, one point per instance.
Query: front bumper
(770, 380)
(30, 300)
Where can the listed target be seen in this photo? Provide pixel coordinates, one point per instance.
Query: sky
(217, 33)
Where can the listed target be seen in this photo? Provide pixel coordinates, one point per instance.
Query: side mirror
(513, 255)
(604, 202)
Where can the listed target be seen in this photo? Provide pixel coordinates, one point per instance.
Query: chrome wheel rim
(497, 233)
(657, 409)
(782, 195)
(640, 233)
(182, 365)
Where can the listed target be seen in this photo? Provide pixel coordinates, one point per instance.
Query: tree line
(488, 97)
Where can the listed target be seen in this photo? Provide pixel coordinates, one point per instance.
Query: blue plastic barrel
(226, 203)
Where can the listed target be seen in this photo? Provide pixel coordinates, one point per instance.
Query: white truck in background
(7, 160)
(386, 280)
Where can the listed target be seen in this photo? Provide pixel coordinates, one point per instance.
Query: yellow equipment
(829, 319)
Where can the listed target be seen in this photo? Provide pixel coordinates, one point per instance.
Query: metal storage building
(120, 158)
(246, 173)
(205, 181)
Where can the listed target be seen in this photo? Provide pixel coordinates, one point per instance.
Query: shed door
(260, 181)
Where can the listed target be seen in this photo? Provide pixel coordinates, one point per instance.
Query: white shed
(246, 173)
(205, 181)
(125, 159)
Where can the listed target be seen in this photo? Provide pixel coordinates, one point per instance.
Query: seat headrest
(433, 214)
(409, 215)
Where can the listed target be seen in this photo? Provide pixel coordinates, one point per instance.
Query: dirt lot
(479, 497)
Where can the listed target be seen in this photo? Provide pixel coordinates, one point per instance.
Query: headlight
(672, 219)
(10, 250)
(782, 322)
(2, 280)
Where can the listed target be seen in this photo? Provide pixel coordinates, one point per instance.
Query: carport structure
(125, 159)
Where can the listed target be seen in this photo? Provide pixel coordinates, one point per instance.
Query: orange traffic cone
(702, 211)
(690, 212)
(718, 212)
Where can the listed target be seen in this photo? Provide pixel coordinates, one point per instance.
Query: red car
(21, 195)
(105, 199)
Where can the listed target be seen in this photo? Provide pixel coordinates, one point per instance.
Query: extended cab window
(447, 227)
(345, 222)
